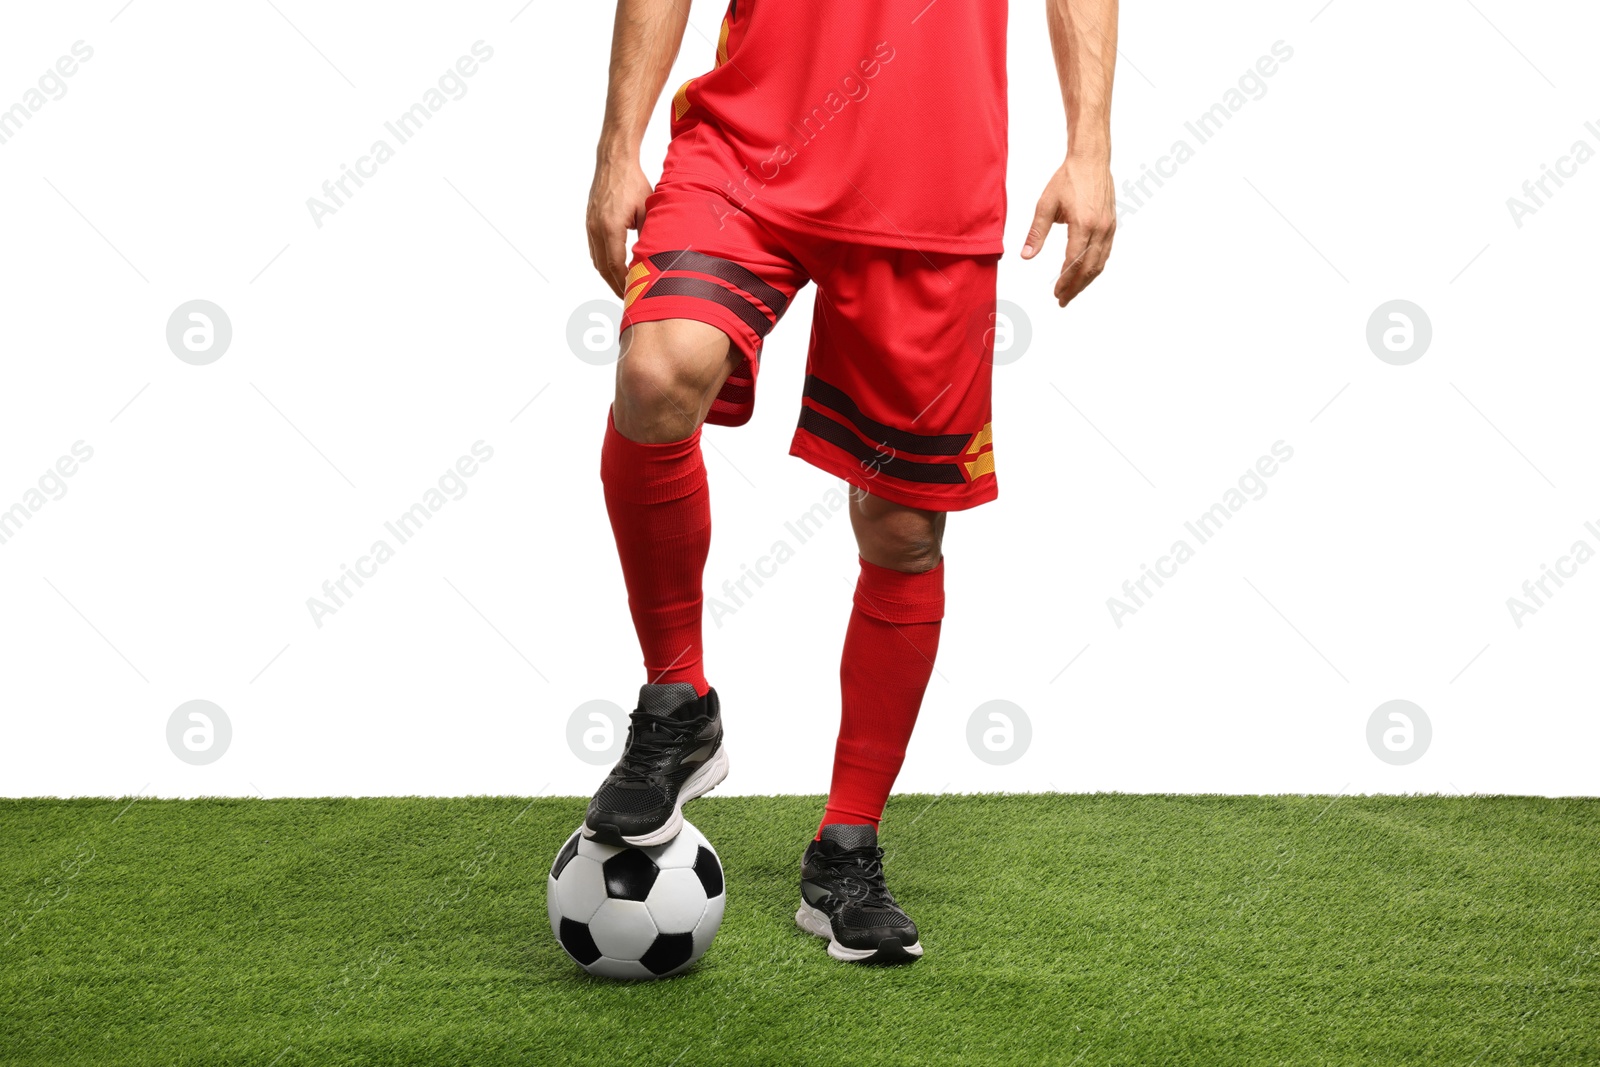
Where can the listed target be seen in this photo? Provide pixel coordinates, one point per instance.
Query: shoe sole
(815, 921)
(708, 777)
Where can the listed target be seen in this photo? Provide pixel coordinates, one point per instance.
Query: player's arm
(644, 42)
(1083, 35)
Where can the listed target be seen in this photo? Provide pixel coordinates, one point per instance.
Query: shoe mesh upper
(848, 863)
(665, 699)
(664, 727)
(630, 800)
(854, 917)
(850, 835)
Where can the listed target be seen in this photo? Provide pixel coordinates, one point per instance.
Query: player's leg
(660, 509)
(889, 649)
(655, 485)
(695, 314)
(897, 404)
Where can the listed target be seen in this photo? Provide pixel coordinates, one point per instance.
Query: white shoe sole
(698, 784)
(815, 921)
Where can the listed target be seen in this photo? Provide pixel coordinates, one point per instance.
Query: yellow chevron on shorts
(637, 282)
(982, 462)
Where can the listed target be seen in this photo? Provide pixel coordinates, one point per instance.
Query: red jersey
(879, 122)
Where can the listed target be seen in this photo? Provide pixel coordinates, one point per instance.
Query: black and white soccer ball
(636, 912)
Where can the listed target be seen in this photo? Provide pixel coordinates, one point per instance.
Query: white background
(430, 312)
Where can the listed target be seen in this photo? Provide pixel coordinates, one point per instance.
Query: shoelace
(650, 739)
(860, 875)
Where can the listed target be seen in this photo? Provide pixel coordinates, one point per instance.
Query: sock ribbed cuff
(640, 472)
(900, 597)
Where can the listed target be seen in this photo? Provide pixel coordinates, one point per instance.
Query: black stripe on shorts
(728, 271)
(949, 444)
(717, 294)
(817, 424)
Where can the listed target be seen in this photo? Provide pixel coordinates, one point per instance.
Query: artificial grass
(1060, 929)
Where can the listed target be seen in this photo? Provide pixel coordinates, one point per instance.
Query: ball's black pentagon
(564, 857)
(578, 942)
(629, 875)
(669, 952)
(709, 871)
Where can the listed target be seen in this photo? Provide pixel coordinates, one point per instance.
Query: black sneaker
(844, 899)
(674, 754)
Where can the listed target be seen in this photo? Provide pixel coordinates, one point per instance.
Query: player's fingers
(1088, 265)
(1044, 216)
(594, 254)
(1072, 265)
(595, 232)
(1076, 281)
(614, 255)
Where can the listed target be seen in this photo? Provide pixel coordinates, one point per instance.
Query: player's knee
(649, 386)
(658, 397)
(666, 379)
(909, 553)
(901, 539)
(895, 536)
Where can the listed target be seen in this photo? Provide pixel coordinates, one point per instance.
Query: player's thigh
(701, 258)
(899, 374)
(669, 373)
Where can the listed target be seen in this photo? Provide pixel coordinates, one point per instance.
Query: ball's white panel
(676, 901)
(606, 967)
(581, 888)
(588, 846)
(680, 851)
(623, 929)
(706, 929)
(552, 901)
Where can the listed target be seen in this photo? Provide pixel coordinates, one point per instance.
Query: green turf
(1059, 930)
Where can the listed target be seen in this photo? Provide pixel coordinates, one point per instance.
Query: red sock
(660, 513)
(888, 658)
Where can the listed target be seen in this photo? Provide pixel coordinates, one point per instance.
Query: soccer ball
(636, 912)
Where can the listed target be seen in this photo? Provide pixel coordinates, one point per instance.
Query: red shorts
(897, 380)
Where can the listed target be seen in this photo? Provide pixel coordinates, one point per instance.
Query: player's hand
(616, 205)
(1081, 195)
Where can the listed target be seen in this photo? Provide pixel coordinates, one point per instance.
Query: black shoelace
(651, 739)
(859, 874)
